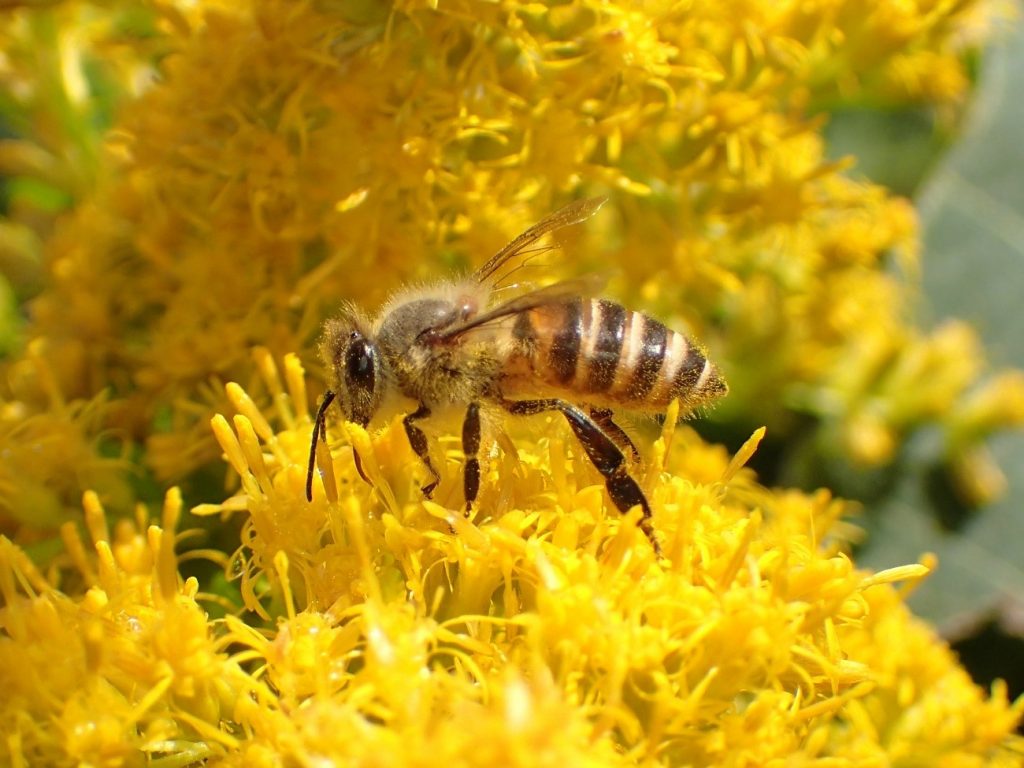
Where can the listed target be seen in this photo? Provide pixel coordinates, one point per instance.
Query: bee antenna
(319, 432)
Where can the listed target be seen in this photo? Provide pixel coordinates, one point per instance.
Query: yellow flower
(755, 640)
(288, 156)
(48, 455)
(125, 665)
(343, 149)
(544, 631)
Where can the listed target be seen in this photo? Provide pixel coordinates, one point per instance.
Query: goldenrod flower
(124, 665)
(291, 156)
(49, 455)
(759, 640)
(270, 159)
(542, 632)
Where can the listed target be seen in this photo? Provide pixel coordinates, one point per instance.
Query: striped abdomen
(603, 353)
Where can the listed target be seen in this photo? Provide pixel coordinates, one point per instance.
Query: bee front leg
(603, 453)
(471, 448)
(319, 433)
(418, 441)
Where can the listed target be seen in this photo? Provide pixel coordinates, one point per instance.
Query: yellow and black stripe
(600, 351)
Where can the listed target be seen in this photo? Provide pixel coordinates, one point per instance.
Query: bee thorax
(424, 367)
(404, 326)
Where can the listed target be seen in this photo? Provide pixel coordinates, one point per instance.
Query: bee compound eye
(359, 364)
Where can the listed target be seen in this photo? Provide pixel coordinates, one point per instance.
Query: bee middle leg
(418, 441)
(471, 448)
(603, 453)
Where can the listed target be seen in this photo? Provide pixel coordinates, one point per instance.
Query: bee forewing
(573, 213)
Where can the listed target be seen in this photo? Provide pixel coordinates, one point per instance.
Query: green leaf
(973, 215)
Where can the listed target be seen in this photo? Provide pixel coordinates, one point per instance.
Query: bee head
(350, 354)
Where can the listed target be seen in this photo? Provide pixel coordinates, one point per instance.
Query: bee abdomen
(597, 348)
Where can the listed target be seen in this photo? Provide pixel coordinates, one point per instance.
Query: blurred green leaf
(973, 215)
(895, 147)
(10, 319)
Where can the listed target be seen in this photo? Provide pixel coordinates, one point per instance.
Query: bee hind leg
(471, 449)
(603, 418)
(603, 453)
(418, 441)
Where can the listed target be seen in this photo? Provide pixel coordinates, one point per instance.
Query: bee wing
(573, 213)
(586, 285)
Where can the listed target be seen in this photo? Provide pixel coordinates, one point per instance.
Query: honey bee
(551, 349)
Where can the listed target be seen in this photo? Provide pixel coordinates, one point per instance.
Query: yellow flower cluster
(272, 158)
(292, 155)
(543, 632)
(121, 663)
